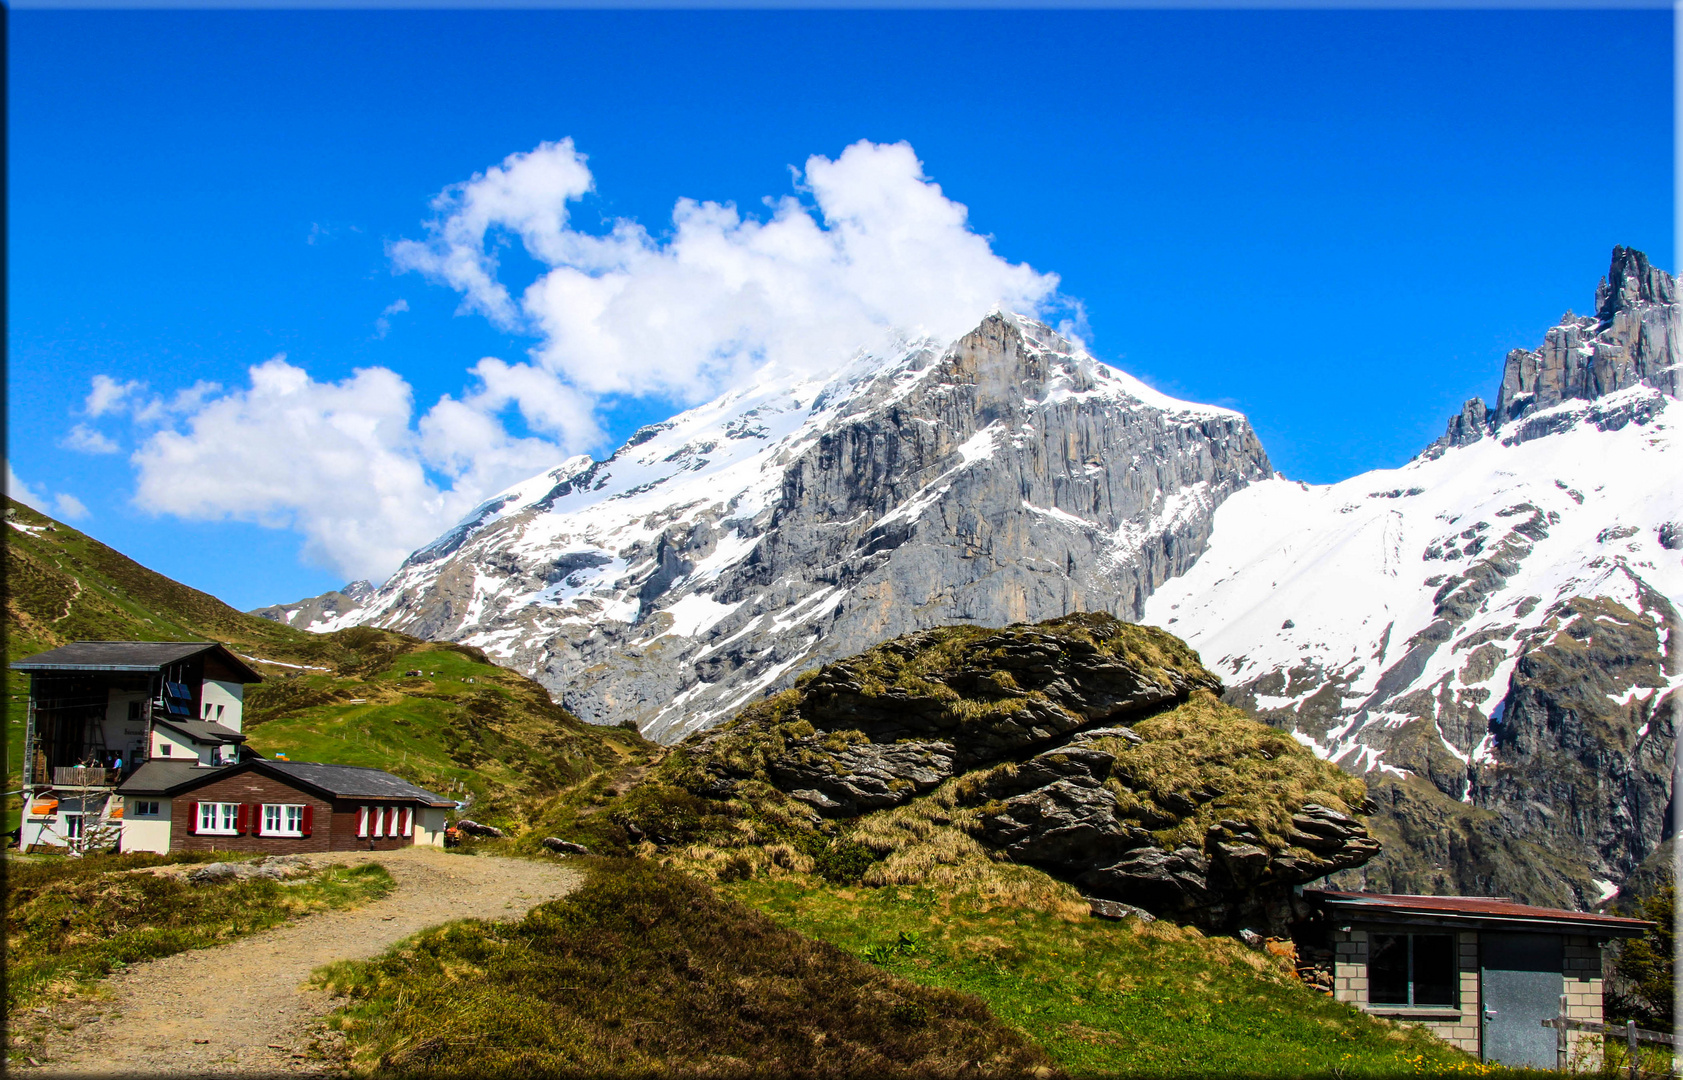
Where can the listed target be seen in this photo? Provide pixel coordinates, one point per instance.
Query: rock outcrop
(1090, 748)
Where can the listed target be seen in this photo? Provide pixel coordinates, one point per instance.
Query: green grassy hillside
(466, 726)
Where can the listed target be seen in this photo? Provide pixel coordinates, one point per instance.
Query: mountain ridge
(718, 553)
(1436, 626)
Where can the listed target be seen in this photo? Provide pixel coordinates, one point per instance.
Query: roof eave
(1358, 911)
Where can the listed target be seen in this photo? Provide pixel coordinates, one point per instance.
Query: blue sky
(1338, 222)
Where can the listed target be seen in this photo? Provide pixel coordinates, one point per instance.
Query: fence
(1633, 1036)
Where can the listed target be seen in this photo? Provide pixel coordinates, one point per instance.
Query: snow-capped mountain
(1492, 625)
(713, 557)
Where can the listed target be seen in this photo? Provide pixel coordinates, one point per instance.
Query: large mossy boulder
(1093, 749)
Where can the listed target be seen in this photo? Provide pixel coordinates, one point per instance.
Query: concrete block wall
(1349, 971)
(1457, 1025)
(1582, 987)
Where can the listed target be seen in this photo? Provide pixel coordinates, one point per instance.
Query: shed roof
(1472, 909)
(130, 656)
(204, 732)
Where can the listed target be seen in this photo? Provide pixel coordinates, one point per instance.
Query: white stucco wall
(181, 748)
(225, 701)
(149, 833)
(429, 827)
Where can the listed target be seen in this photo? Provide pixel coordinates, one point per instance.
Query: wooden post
(1560, 1037)
(1630, 1046)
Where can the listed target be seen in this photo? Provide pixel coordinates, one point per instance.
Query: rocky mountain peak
(1000, 477)
(1631, 282)
(1633, 340)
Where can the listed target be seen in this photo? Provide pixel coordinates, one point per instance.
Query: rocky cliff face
(1004, 477)
(1490, 632)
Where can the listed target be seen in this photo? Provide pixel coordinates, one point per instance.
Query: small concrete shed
(1482, 974)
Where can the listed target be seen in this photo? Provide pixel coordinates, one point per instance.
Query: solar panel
(178, 708)
(178, 690)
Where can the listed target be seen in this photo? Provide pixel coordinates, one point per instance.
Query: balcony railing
(81, 776)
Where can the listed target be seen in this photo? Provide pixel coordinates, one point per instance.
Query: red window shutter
(309, 818)
(241, 816)
(192, 819)
(256, 818)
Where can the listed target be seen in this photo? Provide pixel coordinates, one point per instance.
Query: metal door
(1520, 984)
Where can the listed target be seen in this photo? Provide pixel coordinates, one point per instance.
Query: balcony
(83, 776)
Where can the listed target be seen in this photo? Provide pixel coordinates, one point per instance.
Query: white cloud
(866, 250)
(69, 507)
(65, 505)
(881, 251)
(22, 492)
(383, 325)
(527, 194)
(88, 441)
(342, 463)
(108, 395)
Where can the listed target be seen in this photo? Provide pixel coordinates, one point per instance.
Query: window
(379, 822)
(72, 826)
(145, 808)
(283, 819)
(219, 818)
(134, 711)
(163, 748)
(1411, 969)
(219, 712)
(362, 821)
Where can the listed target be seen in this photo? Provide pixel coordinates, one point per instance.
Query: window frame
(228, 812)
(1410, 976)
(283, 813)
(147, 808)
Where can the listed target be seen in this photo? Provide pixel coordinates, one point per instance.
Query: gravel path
(242, 1007)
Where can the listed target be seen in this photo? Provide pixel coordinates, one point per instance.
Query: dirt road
(242, 1007)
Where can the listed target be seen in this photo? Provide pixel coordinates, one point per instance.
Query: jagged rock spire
(1633, 339)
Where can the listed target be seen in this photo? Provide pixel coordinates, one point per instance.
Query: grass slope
(646, 972)
(466, 726)
(1104, 998)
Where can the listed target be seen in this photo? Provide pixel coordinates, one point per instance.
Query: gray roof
(354, 781)
(204, 732)
(126, 656)
(157, 777)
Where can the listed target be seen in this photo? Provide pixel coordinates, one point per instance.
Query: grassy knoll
(646, 972)
(1103, 998)
(71, 921)
(463, 725)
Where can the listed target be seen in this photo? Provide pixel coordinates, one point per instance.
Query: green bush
(844, 862)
